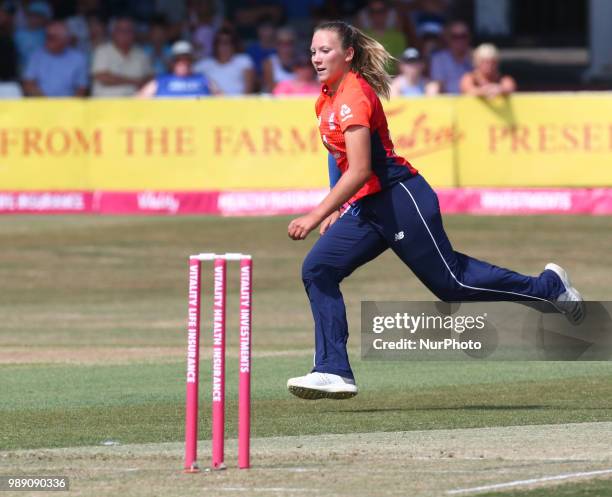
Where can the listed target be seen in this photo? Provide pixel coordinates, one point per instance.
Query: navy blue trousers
(405, 218)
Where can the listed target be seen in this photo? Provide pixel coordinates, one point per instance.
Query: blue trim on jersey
(334, 171)
(386, 169)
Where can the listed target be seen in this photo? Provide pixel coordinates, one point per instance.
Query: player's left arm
(358, 152)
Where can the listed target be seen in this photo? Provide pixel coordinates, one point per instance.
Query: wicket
(218, 359)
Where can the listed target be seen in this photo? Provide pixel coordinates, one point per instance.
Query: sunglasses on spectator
(459, 36)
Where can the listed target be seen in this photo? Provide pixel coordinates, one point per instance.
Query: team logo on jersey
(399, 236)
(330, 121)
(345, 113)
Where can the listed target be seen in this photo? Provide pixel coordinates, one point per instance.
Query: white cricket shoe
(322, 386)
(570, 301)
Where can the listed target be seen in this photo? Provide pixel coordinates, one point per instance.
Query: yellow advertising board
(44, 144)
(208, 145)
(422, 130)
(267, 143)
(165, 144)
(211, 144)
(535, 140)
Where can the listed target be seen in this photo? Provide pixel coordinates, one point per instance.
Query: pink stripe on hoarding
(258, 203)
(513, 201)
(218, 363)
(486, 201)
(150, 202)
(244, 375)
(193, 364)
(46, 202)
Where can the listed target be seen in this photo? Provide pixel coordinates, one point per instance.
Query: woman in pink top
(304, 81)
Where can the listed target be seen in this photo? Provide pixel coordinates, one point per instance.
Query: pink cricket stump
(218, 363)
(193, 362)
(244, 375)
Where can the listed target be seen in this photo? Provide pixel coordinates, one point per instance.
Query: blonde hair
(486, 51)
(371, 58)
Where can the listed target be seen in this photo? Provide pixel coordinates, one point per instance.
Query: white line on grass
(294, 470)
(518, 483)
(264, 489)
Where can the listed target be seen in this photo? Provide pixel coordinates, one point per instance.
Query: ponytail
(371, 58)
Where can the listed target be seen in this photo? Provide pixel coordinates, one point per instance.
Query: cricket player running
(390, 206)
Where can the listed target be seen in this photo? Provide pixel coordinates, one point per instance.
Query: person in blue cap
(181, 81)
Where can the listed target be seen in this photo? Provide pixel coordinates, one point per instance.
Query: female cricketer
(390, 205)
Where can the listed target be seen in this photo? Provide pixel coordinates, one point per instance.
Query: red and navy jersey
(356, 104)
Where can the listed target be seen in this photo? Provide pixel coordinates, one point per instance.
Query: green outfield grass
(62, 406)
(92, 334)
(595, 488)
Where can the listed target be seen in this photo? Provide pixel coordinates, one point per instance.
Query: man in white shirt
(120, 68)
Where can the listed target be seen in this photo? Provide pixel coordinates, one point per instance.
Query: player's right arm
(358, 152)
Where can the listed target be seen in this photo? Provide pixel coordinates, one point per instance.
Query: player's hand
(328, 221)
(299, 228)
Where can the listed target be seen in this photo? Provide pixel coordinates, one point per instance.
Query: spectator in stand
(279, 66)
(56, 70)
(486, 80)
(120, 68)
(430, 34)
(449, 65)
(9, 87)
(231, 71)
(364, 19)
(411, 82)
(182, 82)
(245, 15)
(300, 15)
(78, 26)
(19, 14)
(205, 18)
(7, 15)
(158, 49)
(263, 47)
(174, 11)
(430, 12)
(391, 26)
(30, 38)
(97, 33)
(337, 9)
(304, 81)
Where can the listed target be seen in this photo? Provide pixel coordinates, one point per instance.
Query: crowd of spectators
(166, 48)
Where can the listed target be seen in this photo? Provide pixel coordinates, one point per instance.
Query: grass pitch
(92, 345)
